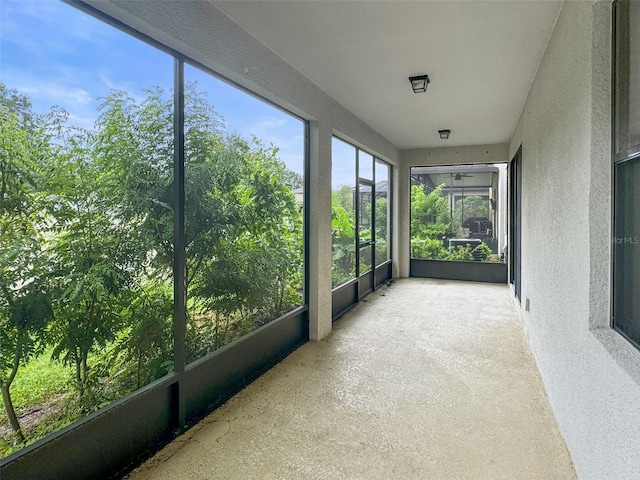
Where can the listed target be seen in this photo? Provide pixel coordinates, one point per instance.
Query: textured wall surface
(204, 34)
(589, 372)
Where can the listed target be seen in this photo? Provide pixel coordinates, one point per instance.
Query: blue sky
(343, 164)
(58, 55)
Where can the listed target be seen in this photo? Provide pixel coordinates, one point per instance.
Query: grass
(44, 393)
(37, 381)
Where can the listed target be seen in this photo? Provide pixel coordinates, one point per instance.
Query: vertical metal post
(179, 260)
(357, 225)
(390, 216)
(451, 200)
(372, 223)
(306, 216)
(462, 202)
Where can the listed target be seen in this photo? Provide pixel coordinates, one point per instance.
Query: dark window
(626, 155)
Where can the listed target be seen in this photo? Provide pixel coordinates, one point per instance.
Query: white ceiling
(481, 57)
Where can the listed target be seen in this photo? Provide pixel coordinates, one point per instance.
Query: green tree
(343, 237)
(243, 227)
(288, 177)
(146, 347)
(343, 220)
(381, 229)
(97, 255)
(474, 206)
(429, 213)
(87, 219)
(25, 307)
(381, 217)
(254, 270)
(344, 196)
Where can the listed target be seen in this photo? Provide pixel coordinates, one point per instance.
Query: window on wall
(343, 212)
(382, 206)
(626, 155)
(86, 217)
(455, 212)
(88, 211)
(360, 212)
(244, 179)
(366, 228)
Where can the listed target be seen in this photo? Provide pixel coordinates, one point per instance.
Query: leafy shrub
(427, 248)
(485, 250)
(460, 253)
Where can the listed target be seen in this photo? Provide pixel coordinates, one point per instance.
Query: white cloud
(57, 93)
(46, 92)
(284, 133)
(281, 132)
(43, 11)
(107, 81)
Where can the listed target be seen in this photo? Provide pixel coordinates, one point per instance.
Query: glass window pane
(626, 303)
(627, 250)
(634, 74)
(627, 76)
(382, 212)
(86, 216)
(243, 214)
(343, 211)
(453, 212)
(365, 165)
(365, 259)
(364, 212)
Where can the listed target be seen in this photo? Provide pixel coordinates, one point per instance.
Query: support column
(402, 251)
(319, 205)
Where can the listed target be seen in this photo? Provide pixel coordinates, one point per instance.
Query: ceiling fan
(460, 177)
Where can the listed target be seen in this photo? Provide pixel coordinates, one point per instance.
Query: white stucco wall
(590, 373)
(201, 32)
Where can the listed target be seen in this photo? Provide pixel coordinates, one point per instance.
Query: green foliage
(430, 224)
(484, 249)
(40, 389)
(38, 381)
(428, 248)
(25, 306)
(460, 253)
(429, 213)
(146, 345)
(474, 206)
(344, 197)
(343, 238)
(382, 213)
(86, 258)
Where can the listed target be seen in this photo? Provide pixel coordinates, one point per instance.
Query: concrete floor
(425, 379)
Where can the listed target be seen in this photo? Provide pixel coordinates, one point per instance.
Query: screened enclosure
(458, 220)
(152, 218)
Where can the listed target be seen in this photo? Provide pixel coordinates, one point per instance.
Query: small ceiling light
(457, 177)
(444, 134)
(419, 83)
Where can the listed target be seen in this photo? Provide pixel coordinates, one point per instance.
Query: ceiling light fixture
(419, 83)
(444, 134)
